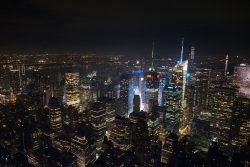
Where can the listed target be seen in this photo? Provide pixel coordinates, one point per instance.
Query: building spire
(226, 65)
(152, 56)
(182, 48)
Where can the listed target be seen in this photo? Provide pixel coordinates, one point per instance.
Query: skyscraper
(179, 76)
(164, 74)
(153, 122)
(86, 97)
(71, 117)
(55, 115)
(124, 86)
(72, 90)
(197, 89)
(240, 129)
(120, 134)
(139, 133)
(98, 122)
(110, 108)
(191, 59)
(78, 144)
(83, 149)
(192, 53)
(152, 87)
(169, 147)
(172, 102)
(137, 87)
(221, 102)
(125, 81)
(136, 103)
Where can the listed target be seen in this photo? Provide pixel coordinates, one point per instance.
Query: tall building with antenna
(179, 72)
(152, 79)
(174, 94)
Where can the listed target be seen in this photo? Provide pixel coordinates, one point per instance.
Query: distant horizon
(142, 51)
(125, 27)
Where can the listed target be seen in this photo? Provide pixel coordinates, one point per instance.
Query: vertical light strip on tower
(182, 49)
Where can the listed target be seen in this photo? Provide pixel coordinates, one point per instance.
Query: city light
(147, 83)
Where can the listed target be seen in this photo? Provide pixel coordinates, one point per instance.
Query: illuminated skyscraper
(197, 89)
(125, 81)
(98, 122)
(137, 87)
(179, 76)
(163, 71)
(83, 149)
(72, 92)
(240, 129)
(152, 80)
(110, 107)
(71, 117)
(20, 77)
(191, 60)
(153, 121)
(120, 133)
(152, 87)
(180, 71)
(86, 97)
(124, 86)
(55, 115)
(172, 102)
(168, 147)
(50, 156)
(221, 102)
(79, 145)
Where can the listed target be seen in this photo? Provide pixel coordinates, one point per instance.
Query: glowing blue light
(137, 72)
(188, 75)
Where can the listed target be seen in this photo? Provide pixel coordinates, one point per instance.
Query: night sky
(127, 27)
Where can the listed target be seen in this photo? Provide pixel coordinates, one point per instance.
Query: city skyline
(143, 83)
